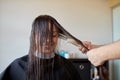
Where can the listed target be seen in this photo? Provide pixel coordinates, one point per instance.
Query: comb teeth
(72, 42)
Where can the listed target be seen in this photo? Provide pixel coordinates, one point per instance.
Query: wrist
(102, 54)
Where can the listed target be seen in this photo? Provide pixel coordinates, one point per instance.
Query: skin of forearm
(111, 51)
(95, 46)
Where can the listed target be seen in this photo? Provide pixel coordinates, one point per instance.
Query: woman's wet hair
(42, 29)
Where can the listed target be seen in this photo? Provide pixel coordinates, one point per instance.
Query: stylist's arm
(97, 55)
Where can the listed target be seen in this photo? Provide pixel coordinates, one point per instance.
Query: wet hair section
(42, 29)
(64, 34)
(41, 39)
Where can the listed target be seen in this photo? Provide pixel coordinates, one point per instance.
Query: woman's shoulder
(15, 68)
(20, 62)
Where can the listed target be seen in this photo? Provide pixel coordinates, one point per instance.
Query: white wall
(86, 19)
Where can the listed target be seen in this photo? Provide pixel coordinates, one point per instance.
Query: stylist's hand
(93, 54)
(87, 44)
(96, 57)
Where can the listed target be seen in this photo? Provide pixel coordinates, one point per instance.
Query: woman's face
(49, 49)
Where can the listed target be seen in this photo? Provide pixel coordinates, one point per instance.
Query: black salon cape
(17, 70)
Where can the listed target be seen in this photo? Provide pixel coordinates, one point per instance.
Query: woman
(42, 63)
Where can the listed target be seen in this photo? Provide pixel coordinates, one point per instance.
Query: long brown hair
(37, 67)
